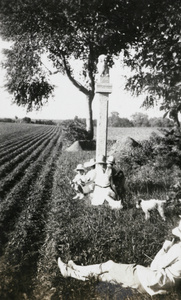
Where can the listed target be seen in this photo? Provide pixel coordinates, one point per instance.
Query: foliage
(26, 120)
(140, 119)
(160, 122)
(112, 122)
(63, 30)
(115, 121)
(45, 122)
(69, 31)
(73, 130)
(156, 61)
(25, 80)
(7, 120)
(155, 166)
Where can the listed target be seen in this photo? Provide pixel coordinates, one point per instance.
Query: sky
(68, 102)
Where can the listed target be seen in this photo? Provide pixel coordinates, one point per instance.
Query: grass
(137, 133)
(91, 235)
(43, 222)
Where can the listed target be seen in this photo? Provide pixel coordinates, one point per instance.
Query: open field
(39, 221)
(137, 133)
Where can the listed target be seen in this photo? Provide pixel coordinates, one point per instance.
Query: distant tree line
(27, 120)
(137, 120)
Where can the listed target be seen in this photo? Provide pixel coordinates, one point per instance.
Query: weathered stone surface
(102, 126)
(103, 88)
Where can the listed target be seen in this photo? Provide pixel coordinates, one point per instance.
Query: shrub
(74, 130)
(153, 168)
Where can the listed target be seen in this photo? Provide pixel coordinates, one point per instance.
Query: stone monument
(103, 88)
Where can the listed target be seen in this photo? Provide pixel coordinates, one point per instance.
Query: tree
(124, 122)
(160, 122)
(115, 121)
(66, 31)
(156, 60)
(26, 120)
(140, 120)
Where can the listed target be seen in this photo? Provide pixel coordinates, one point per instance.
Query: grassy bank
(89, 235)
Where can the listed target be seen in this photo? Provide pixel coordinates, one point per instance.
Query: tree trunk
(89, 95)
(174, 116)
(89, 119)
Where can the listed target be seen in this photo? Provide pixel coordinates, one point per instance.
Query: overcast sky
(68, 102)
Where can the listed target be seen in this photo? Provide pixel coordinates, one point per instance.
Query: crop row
(9, 131)
(16, 147)
(22, 162)
(24, 170)
(18, 133)
(16, 136)
(28, 234)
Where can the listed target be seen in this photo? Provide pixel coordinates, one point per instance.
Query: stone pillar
(103, 88)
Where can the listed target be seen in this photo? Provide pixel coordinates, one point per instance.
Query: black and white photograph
(90, 150)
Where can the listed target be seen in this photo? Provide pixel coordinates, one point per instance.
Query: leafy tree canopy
(160, 122)
(157, 61)
(64, 29)
(140, 119)
(115, 121)
(79, 30)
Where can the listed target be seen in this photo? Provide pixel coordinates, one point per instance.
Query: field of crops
(40, 221)
(28, 156)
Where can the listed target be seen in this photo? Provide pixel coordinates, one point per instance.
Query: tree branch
(90, 72)
(49, 71)
(72, 79)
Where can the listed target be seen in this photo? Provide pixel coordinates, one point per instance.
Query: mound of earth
(82, 145)
(130, 142)
(121, 145)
